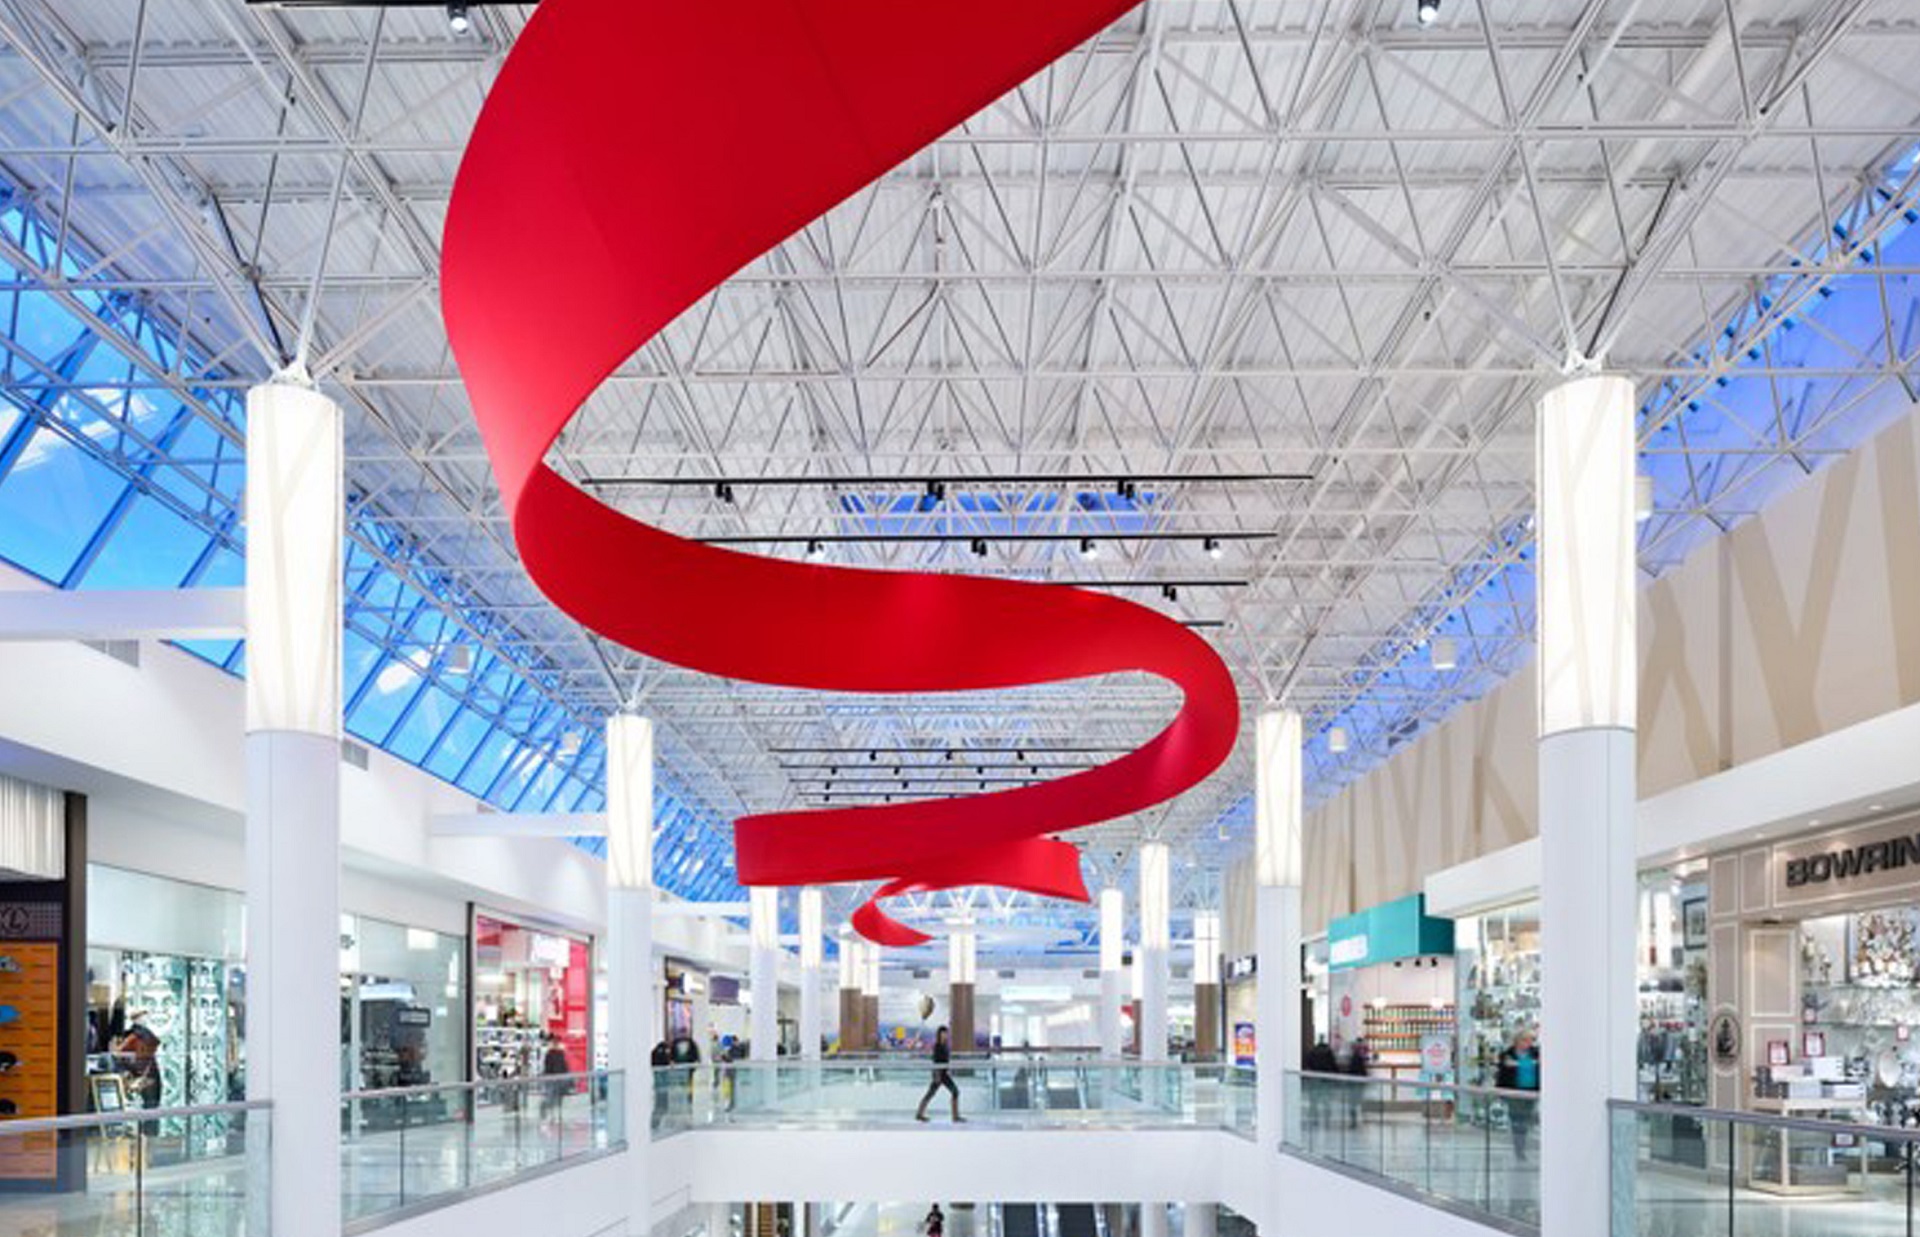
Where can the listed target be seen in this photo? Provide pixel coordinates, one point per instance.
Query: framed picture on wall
(1777, 1052)
(1813, 1044)
(1693, 923)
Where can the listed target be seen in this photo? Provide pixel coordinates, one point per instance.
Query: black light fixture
(1170, 592)
(816, 552)
(1021, 757)
(937, 490)
(1089, 549)
(1427, 11)
(1126, 489)
(723, 491)
(457, 19)
(979, 547)
(1212, 546)
(873, 755)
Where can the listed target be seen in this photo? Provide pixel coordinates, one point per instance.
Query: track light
(1126, 489)
(816, 552)
(979, 547)
(1089, 549)
(1212, 546)
(723, 491)
(1337, 740)
(937, 491)
(1020, 756)
(457, 19)
(1444, 653)
(1170, 592)
(1428, 11)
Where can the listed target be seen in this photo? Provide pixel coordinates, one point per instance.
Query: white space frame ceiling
(1307, 246)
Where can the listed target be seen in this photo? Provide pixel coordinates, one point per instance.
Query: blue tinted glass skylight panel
(150, 548)
(423, 724)
(485, 765)
(394, 684)
(458, 744)
(51, 503)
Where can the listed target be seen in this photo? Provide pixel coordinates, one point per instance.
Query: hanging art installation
(630, 157)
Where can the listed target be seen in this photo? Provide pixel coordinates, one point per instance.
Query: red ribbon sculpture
(632, 155)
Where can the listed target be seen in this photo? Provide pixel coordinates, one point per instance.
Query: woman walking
(942, 1056)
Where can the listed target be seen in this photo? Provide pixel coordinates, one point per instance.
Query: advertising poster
(1243, 1043)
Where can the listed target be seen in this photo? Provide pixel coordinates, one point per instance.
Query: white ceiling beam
(123, 614)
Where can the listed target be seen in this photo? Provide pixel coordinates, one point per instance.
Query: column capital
(1277, 778)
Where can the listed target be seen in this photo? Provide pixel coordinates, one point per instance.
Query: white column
(1113, 979)
(719, 1220)
(1153, 1220)
(870, 993)
(1203, 1220)
(294, 509)
(763, 971)
(631, 1010)
(1277, 872)
(1588, 671)
(812, 960)
(1155, 938)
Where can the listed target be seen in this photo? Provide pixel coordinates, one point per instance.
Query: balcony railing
(1473, 1150)
(1028, 1094)
(415, 1148)
(1692, 1172)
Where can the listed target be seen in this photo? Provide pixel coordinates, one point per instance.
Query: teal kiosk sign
(1387, 933)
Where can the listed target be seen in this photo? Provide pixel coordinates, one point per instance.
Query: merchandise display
(1859, 1003)
(29, 1042)
(530, 984)
(1500, 987)
(1398, 1029)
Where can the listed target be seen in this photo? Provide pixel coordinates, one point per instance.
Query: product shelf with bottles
(1399, 1028)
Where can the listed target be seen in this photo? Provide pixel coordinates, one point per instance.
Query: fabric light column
(1203, 1220)
(1153, 1220)
(1277, 931)
(962, 961)
(1155, 937)
(1206, 985)
(763, 971)
(870, 994)
(812, 957)
(630, 974)
(852, 1000)
(1113, 979)
(294, 509)
(1588, 670)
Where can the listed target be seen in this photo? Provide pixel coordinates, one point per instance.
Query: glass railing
(177, 1172)
(412, 1148)
(1473, 1148)
(1694, 1172)
(864, 1092)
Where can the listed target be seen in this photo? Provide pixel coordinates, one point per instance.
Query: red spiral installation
(632, 155)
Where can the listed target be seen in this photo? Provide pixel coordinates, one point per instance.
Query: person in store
(137, 1053)
(1519, 1070)
(1319, 1059)
(942, 1077)
(1359, 1064)
(936, 1222)
(554, 1065)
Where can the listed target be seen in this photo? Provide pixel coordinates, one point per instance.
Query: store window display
(402, 1004)
(1860, 1003)
(531, 984)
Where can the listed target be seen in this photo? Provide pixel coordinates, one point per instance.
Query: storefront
(1814, 982)
(165, 959)
(402, 1004)
(1392, 984)
(531, 985)
(686, 1003)
(1498, 963)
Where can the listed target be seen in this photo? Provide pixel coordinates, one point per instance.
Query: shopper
(554, 1066)
(138, 1056)
(936, 1222)
(1519, 1070)
(1359, 1064)
(1319, 1059)
(942, 1077)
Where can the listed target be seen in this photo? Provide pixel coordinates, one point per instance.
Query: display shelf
(1400, 1028)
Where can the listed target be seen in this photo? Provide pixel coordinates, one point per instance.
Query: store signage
(1854, 861)
(30, 921)
(1349, 951)
(1241, 968)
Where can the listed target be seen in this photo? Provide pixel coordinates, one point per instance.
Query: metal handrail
(1809, 1125)
(921, 1060)
(1457, 1088)
(481, 1084)
(127, 1116)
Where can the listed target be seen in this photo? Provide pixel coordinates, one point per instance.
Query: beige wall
(1800, 621)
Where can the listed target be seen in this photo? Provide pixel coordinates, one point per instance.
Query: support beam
(123, 614)
(1588, 699)
(295, 508)
(631, 1009)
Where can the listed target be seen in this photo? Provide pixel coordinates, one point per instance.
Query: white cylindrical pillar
(1156, 934)
(962, 968)
(294, 509)
(763, 971)
(1203, 1220)
(631, 1011)
(1153, 1220)
(812, 960)
(1588, 658)
(1206, 985)
(870, 993)
(1113, 979)
(1277, 871)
